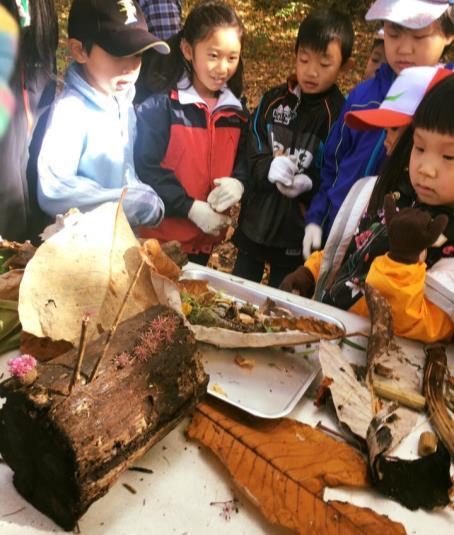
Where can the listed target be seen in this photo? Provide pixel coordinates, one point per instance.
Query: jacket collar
(188, 95)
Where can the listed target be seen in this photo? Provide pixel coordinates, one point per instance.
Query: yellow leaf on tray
(284, 466)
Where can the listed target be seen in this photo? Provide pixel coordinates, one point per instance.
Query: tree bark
(66, 450)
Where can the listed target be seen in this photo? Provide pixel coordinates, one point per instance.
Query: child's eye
(448, 157)
(418, 149)
(212, 55)
(325, 65)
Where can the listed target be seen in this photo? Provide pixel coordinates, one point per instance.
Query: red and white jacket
(181, 147)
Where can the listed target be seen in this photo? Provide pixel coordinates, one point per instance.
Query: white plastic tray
(279, 378)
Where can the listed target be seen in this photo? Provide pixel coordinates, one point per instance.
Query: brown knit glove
(410, 231)
(302, 280)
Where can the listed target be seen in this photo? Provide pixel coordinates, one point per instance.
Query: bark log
(66, 450)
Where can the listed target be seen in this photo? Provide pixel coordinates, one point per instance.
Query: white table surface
(186, 478)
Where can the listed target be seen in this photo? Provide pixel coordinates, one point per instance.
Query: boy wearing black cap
(87, 153)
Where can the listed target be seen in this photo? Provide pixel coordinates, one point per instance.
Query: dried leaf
(9, 284)
(244, 363)
(86, 267)
(284, 466)
(156, 258)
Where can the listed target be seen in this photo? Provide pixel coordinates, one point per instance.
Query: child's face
(392, 137)
(432, 167)
(376, 58)
(413, 48)
(106, 73)
(214, 60)
(316, 71)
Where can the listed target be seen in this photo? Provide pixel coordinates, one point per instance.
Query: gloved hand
(227, 192)
(301, 183)
(283, 169)
(207, 219)
(312, 240)
(410, 231)
(302, 280)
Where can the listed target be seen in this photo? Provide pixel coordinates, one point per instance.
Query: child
(416, 33)
(195, 158)
(289, 129)
(377, 55)
(406, 255)
(87, 153)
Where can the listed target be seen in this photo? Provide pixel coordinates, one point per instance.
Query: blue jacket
(350, 154)
(86, 157)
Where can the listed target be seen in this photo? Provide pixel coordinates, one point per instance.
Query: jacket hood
(74, 79)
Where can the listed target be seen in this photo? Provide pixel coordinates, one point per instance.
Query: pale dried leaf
(352, 400)
(284, 467)
(9, 284)
(86, 267)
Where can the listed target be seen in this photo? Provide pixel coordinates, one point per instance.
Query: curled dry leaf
(244, 363)
(156, 258)
(284, 466)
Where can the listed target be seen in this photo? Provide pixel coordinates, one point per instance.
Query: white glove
(227, 192)
(312, 240)
(301, 183)
(207, 219)
(283, 169)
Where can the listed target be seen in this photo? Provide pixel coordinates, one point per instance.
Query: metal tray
(278, 378)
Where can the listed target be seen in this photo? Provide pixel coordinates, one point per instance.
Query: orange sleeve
(414, 315)
(313, 263)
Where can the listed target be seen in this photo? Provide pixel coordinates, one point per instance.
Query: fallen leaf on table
(244, 363)
(283, 466)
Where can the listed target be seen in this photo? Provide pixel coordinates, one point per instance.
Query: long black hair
(162, 73)
(39, 40)
(435, 113)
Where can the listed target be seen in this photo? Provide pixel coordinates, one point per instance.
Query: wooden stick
(117, 319)
(81, 352)
(389, 390)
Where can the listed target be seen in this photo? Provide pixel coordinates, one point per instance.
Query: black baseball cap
(117, 26)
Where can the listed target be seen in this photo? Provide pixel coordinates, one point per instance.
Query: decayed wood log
(66, 450)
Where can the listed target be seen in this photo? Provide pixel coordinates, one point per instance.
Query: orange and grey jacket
(181, 148)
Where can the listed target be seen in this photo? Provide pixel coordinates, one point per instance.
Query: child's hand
(301, 183)
(301, 279)
(207, 219)
(227, 192)
(283, 169)
(410, 231)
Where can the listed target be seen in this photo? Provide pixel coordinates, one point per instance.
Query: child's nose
(405, 44)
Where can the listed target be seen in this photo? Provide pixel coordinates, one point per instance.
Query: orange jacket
(414, 316)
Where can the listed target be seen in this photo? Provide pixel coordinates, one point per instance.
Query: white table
(186, 478)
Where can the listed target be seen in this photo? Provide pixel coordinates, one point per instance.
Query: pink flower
(21, 366)
(361, 239)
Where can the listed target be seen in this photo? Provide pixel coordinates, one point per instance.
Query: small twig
(330, 431)
(131, 489)
(117, 319)
(141, 469)
(14, 512)
(81, 352)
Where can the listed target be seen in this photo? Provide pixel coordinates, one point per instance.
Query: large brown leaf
(284, 466)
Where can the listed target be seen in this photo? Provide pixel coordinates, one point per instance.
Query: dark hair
(377, 42)
(324, 25)
(162, 73)
(447, 22)
(434, 113)
(39, 41)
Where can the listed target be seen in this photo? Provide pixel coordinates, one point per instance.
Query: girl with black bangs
(192, 130)
(404, 242)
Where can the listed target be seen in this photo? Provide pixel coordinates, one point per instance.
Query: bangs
(436, 111)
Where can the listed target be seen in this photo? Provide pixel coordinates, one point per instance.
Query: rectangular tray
(279, 378)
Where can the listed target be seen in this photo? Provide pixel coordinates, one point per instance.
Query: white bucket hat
(412, 14)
